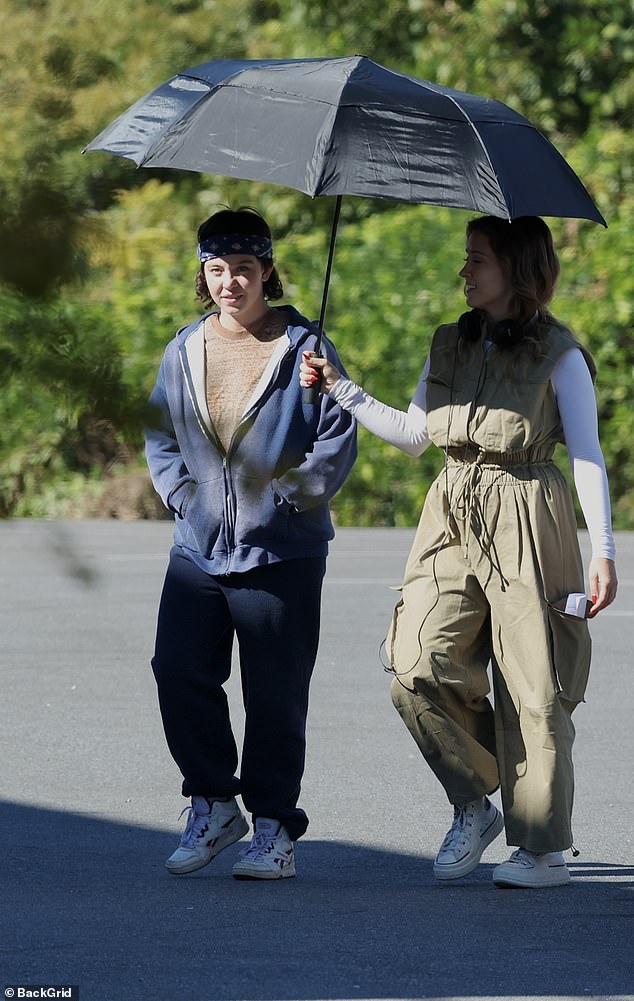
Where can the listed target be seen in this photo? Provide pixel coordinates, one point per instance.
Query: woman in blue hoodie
(248, 470)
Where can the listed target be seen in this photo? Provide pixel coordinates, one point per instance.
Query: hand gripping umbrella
(349, 126)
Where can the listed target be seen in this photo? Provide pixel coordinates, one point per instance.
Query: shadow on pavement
(88, 902)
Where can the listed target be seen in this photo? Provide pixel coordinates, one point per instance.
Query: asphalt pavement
(90, 802)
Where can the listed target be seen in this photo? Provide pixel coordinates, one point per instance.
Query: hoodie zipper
(231, 509)
(230, 512)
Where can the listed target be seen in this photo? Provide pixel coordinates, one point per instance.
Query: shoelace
(194, 828)
(261, 844)
(523, 857)
(463, 818)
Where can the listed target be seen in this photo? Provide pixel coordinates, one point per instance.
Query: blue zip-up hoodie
(266, 498)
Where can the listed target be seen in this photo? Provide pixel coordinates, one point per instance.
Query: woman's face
(236, 285)
(486, 285)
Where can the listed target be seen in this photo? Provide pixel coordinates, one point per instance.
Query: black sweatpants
(274, 613)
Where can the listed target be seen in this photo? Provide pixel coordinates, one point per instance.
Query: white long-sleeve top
(573, 388)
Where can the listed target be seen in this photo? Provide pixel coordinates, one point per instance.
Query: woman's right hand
(313, 368)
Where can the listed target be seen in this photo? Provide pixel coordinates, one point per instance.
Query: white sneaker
(525, 869)
(270, 854)
(474, 827)
(211, 826)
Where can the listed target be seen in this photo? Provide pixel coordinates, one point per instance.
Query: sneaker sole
(231, 835)
(467, 865)
(245, 873)
(514, 881)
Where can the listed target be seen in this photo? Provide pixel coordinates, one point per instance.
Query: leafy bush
(97, 259)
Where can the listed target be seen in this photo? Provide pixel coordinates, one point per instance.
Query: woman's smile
(492, 291)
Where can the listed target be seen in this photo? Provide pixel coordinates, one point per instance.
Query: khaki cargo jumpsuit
(496, 549)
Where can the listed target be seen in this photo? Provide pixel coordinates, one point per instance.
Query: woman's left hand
(603, 584)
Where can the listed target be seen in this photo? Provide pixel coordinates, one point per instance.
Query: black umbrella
(349, 127)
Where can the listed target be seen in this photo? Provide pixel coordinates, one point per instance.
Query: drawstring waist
(475, 470)
(472, 454)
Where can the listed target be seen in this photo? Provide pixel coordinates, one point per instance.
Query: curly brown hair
(248, 222)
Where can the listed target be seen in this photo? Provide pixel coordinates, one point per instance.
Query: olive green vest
(500, 400)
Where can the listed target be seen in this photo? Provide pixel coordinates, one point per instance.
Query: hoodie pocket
(259, 517)
(202, 527)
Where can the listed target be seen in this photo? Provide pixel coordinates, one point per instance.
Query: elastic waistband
(472, 454)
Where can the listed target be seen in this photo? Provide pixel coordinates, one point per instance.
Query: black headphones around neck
(505, 334)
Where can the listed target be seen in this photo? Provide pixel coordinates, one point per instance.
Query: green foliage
(97, 259)
(65, 412)
(597, 294)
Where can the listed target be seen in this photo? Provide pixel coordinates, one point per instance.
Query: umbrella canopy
(349, 126)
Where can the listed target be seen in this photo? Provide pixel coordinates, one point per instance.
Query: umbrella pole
(331, 255)
(310, 395)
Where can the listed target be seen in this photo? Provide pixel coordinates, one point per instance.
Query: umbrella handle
(310, 394)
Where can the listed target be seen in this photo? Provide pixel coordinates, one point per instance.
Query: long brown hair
(525, 251)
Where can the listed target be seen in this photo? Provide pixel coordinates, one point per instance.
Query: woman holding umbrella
(247, 471)
(495, 573)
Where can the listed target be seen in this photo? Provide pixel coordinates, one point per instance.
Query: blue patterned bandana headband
(234, 243)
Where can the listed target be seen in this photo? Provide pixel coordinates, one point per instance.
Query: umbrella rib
(482, 144)
(279, 92)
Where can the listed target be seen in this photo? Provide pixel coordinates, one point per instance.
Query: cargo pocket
(389, 641)
(571, 651)
(403, 646)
